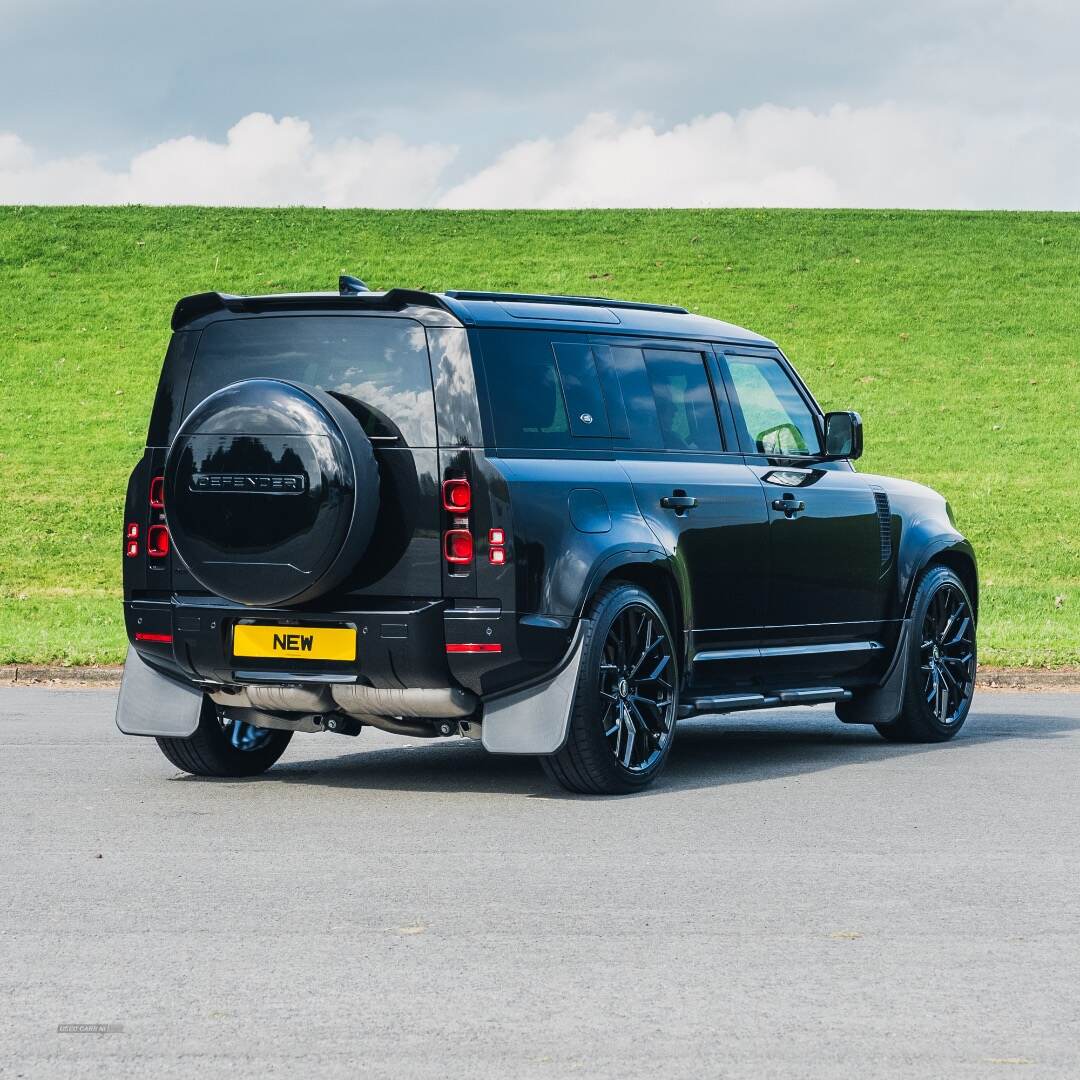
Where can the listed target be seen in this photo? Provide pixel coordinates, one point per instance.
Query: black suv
(555, 524)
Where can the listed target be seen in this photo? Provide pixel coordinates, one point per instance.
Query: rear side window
(684, 400)
(544, 393)
(668, 396)
(581, 389)
(380, 365)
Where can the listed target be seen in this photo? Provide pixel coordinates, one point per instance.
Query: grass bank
(956, 335)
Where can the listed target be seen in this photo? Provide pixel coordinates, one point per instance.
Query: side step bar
(722, 703)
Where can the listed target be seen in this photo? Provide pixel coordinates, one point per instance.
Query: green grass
(956, 335)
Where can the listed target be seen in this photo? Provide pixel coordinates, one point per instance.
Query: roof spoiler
(192, 308)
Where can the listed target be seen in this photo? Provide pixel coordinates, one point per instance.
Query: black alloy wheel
(622, 723)
(634, 682)
(941, 658)
(947, 653)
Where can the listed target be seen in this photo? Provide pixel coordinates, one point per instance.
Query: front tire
(941, 660)
(622, 723)
(219, 748)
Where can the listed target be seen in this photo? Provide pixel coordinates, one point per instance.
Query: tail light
(457, 496)
(157, 542)
(458, 546)
(497, 547)
(157, 492)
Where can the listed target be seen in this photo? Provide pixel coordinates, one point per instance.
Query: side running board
(722, 703)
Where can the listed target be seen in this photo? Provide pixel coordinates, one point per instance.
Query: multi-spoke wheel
(221, 746)
(623, 719)
(941, 662)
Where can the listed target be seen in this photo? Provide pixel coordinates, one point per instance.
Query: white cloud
(882, 155)
(263, 162)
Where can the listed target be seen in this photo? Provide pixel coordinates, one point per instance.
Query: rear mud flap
(151, 704)
(536, 720)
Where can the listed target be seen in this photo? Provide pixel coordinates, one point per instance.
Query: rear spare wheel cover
(271, 492)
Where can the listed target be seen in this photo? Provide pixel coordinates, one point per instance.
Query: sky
(971, 104)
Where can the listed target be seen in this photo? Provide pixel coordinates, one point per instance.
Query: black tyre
(622, 723)
(223, 747)
(941, 662)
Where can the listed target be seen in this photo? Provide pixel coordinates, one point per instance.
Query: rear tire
(210, 750)
(941, 660)
(622, 723)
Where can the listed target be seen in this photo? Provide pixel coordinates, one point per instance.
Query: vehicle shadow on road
(709, 752)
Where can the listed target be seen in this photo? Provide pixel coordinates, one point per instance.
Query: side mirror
(843, 435)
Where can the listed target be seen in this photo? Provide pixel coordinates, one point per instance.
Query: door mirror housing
(843, 435)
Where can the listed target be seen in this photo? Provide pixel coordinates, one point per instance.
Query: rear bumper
(401, 644)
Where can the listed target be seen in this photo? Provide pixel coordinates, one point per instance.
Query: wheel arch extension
(959, 557)
(650, 569)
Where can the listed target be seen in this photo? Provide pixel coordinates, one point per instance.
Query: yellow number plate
(295, 642)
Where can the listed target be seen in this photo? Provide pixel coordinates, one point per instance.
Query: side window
(684, 399)
(527, 404)
(669, 402)
(581, 388)
(777, 420)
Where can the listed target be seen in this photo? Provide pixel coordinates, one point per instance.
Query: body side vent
(884, 514)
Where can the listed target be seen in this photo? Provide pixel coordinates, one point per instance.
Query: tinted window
(455, 388)
(527, 404)
(581, 388)
(777, 420)
(637, 394)
(684, 401)
(169, 402)
(380, 365)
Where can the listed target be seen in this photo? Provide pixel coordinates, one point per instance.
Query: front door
(702, 502)
(827, 584)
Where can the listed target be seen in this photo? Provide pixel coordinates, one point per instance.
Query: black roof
(596, 314)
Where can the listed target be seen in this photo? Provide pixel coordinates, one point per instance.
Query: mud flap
(151, 704)
(882, 704)
(536, 720)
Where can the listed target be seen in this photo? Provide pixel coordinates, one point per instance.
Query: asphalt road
(795, 898)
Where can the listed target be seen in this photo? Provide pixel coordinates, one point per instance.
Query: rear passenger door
(702, 502)
(827, 588)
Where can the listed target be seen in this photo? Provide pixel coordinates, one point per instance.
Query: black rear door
(701, 501)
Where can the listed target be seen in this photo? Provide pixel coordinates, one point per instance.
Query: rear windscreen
(378, 365)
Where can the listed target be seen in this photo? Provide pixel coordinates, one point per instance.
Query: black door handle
(678, 501)
(789, 506)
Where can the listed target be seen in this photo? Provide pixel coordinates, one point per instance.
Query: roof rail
(582, 301)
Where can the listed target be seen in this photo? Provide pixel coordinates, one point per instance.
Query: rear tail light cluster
(457, 539)
(157, 534)
(458, 544)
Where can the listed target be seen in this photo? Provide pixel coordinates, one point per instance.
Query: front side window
(778, 422)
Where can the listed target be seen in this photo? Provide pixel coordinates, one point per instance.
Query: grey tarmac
(794, 898)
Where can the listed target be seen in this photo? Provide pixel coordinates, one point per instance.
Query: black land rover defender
(554, 524)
